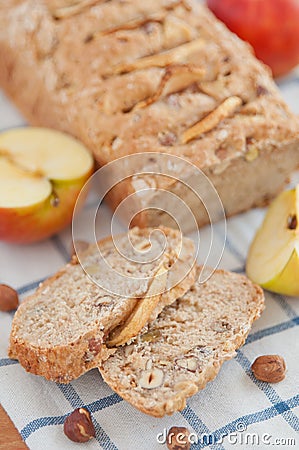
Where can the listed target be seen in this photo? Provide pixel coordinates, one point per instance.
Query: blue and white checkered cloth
(235, 410)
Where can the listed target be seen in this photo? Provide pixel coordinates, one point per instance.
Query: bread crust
(216, 329)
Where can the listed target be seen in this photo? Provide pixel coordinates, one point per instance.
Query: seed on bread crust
(151, 379)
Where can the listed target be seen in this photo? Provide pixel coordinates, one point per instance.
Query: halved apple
(41, 174)
(273, 259)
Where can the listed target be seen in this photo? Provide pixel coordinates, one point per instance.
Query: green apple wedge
(42, 172)
(273, 258)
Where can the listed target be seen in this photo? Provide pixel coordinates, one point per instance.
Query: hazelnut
(151, 378)
(178, 438)
(78, 426)
(269, 368)
(9, 299)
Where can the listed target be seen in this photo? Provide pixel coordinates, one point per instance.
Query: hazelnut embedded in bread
(73, 322)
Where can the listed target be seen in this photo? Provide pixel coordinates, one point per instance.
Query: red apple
(270, 26)
(42, 172)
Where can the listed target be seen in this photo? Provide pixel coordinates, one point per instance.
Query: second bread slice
(72, 323)
(185, 347)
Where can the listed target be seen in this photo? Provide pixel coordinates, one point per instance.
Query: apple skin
(287, 282)
(36, 222)
(270, 26)
(273, 257)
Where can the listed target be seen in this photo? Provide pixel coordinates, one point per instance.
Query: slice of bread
(185, 347)
(72, 323)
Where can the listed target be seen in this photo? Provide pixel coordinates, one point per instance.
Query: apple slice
(273, 259)
(41, 174)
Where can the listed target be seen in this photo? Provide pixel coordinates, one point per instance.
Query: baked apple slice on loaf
(73, 322)
(186, 345)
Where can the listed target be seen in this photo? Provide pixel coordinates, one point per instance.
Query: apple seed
(292, 222)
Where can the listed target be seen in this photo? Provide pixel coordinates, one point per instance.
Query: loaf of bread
(163, 76)
(185, 347)
(72, 323)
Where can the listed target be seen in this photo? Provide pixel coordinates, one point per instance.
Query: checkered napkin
(234, 410)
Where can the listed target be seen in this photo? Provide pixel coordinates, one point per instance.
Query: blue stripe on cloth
(71, 395)
(231, 247)
(239, 270)
(234, 251)
(291, 419)
(61, 248)
(95, 406)
(104, 402)
(7, 362)
(249, 419)
(76, 402)
(99, 405)
(30, 286)
(199, 427)
(272, 330)
(290, 312)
